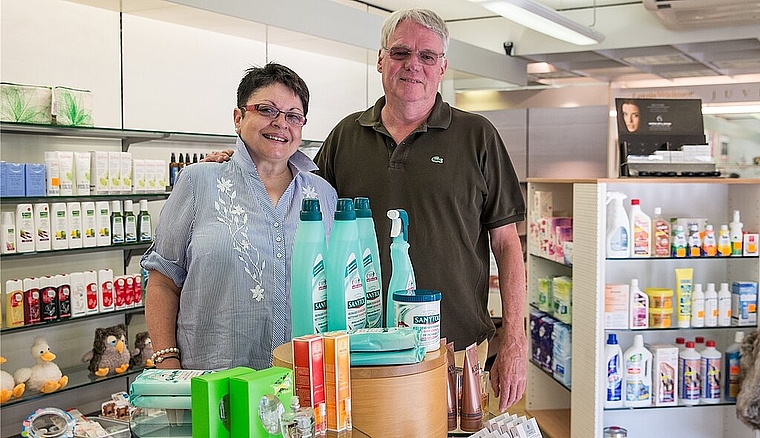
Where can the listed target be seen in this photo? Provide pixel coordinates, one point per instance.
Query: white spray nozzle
(399, 223)
(737, 217)
(616, 197)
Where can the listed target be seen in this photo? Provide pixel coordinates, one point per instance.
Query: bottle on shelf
(308, 293)
(732, 368)
(710, 373)
(195, 158)
(724, 306)
(187, 159)
(641, 231)
(711, 306)
(679, 244)
(297, 422)
(735, 233)
(699, 344)
(618, 235)
(639, 306)
(680, 343)
(697, 306)
(371, 261)
(661, 234)
(614, 360)
(638, 374)
(117, 223)
(9, 233)
(694, 242)
(402, 272)
(724, 241)
(689, 363)
(173, 169)
(144, 225)
(709, 244)
(130, 222)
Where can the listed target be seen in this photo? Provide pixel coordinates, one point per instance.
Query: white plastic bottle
(638, 374)
(618, 227)
(694, 242)
(710, 373)
(613, 357)
(709, 243)
(679, 245)
(42, 227)
(639, 307)
(660, 234)
(724, 306)
(697, 306)
(59, 226)
(731, 369)
(9, 233)
(735, 234)
(711, 306)
(699, 344)
(24, 228)
(680, 343)
(689, 362)
(641, 231)
(724, 241)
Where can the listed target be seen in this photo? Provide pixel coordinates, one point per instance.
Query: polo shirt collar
(440, 117)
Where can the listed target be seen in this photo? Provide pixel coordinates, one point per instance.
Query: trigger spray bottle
(402, 273)
(618, 227)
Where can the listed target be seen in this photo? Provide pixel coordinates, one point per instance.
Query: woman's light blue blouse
(228, 248)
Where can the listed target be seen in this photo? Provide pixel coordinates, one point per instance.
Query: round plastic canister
(659, 298)
(420, 308)
(660, 318)
(615, 432)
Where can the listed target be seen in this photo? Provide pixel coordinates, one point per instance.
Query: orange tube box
(337, 381)
(309, 375)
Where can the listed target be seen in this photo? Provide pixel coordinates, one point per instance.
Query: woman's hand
(218, 156)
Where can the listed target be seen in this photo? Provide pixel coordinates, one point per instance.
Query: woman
(218, 294)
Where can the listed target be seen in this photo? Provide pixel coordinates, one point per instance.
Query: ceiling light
(543, 19)
(731, 109)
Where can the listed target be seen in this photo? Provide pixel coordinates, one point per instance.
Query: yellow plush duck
(8, 387)
(44, 376)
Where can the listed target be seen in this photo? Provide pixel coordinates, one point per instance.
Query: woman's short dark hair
(272, 73)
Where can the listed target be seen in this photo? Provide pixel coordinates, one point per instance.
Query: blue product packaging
(3, 179)
(561, 350)
(15, 184)
(535, 342)
(35, 179)
(545, 341)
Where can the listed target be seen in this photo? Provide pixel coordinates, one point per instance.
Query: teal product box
(35, 179)
(164, 382)
(211, 402)
(744, 303)
(255, 393)
(15, 183)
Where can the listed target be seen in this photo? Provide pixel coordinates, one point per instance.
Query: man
(450, 171)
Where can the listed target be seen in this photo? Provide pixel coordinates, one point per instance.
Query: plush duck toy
(8, 386)
(44, 376)
(143, 351)
(109, 353)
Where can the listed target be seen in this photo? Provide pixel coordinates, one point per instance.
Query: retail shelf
(59, 322)
(549, 374)
(79, 377)
(9, 200)
(543, 257)
(689, 259)
(535, 306)
(675, 329)
(128, 247)
(554, 423)
(679, 405)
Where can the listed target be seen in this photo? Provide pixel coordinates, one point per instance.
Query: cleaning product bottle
(117, 223)
(639, 306)
(373, 280)
(402, 272)
(735, 234)
(699, 344)
(710, 373)
(641, 231)
(678, 245)
(9, 233)
(618, 227)
(308, 284)
(724, 241)
(638, 374)
(680, 343)
(709, 244)
(724, 306)
(697, 306)
(711, 306)
(613, 357)
(144, 225)
(694, 242)
(689, 363)
(661, 234)
(732, 368)
(346, 302)
(130, 222)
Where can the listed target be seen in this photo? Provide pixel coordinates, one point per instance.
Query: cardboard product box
(664, 374)
(543, 204)
(248, 391)
(72, 107)
(535, 346)
(616, 299)
(337, 380)
(25, 103)
(744, 303)
(562, 289)
(562, 349)
(545, 330)
(750, 247)
(15, 179)
(34, 179)
(210, 395)
(309, 374)
(155, 381)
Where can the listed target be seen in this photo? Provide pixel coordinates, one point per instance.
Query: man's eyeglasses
(427, 57)
(271, 112)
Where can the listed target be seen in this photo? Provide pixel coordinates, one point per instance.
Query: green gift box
(211, 402)
(248, 390)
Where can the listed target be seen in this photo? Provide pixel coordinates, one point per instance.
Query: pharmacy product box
(749, 247)
(309, 372)
(542, 204)
(616, 306)
(664, 374)
(337, 380)
(126, 172)
(99, 179)
(247, 391)
(744, 303)
(114, 172)
(535, 325)
(72, 107)
(562, 348)
(546, 347)
(34, 175)
(3, 179)
(164, 382)
(25, 103)
(562, 289)
(545, 294)
(15, 179)
(211, 402)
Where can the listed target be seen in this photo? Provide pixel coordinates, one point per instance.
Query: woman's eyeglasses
(271, 112)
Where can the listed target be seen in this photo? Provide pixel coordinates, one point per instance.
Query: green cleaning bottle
(402, 273)
(346, 300)
(371, 261)
(308, 283)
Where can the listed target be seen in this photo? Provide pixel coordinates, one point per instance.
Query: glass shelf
(79, 377)
(58, 322)
(675, 329)
(549, 374)
(639, 259)
(722, 402)
(542, 257)
(535, 306)
(10, 200)
(58, 252)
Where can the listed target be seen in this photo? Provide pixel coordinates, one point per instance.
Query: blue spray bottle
(373, 280)
(402, 273)
(308, 283)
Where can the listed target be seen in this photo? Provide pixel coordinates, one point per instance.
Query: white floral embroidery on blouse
(309, 192)
(230, 213)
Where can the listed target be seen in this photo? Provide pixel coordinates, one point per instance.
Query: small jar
(659, 298)
(660, 318)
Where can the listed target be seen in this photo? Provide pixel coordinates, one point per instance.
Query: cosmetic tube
(451, 386)
(472, 412)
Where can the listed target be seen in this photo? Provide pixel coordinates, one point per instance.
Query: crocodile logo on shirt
(436, 159)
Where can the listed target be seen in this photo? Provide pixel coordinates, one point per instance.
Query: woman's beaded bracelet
(160, 353)
(168, 356)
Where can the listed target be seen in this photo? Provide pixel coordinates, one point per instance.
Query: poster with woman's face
(648, 124)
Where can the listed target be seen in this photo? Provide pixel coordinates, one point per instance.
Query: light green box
(25, 103)
(245, 393)
(211, 402)
(72, 107)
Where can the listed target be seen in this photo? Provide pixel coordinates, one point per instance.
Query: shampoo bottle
(689, 363)
(661, 234)
(117, 223)
(346, 302)
(735, 234)
(402, 272)
(59, 225)
(724, 306)
(24, 228)
(130, 222)
(308, 283)
(732, 368)
(709, 244)
(144, 225)
(638, 374)
(694, 242)
(618, 227)
(724, 241)
(74, 213)
(373, 280)
(641, 230)
(639, 306)
(89, 225)
(613, 358)
(679, 244)
(711, 306)
(9, 233)
(697, 306)
(42, 227)
(103, 223)
(710, 373)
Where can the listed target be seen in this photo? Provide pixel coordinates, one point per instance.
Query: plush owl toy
(44, 376)
(141, 354)
(109, 353)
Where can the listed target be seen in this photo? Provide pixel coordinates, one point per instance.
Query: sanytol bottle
(308, 279)
(402, 273)
(373, 280)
